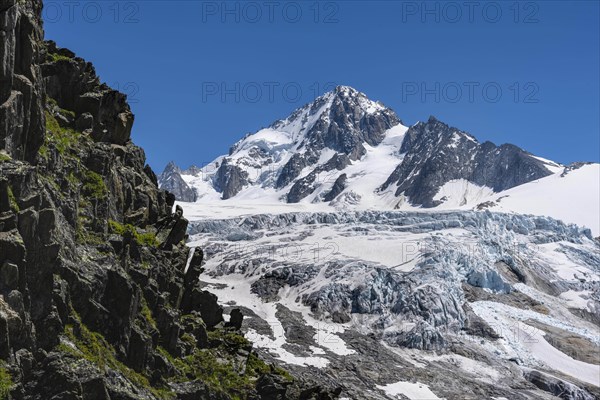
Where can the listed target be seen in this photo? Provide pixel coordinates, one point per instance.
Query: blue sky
(202, 74)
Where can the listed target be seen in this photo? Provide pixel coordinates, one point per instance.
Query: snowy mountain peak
(344, 105)
(171, 167)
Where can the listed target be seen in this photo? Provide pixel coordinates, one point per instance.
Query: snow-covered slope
(571, 195)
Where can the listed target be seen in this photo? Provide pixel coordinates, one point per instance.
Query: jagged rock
(194, 325)
(557, 387)
(338, 187)
(173, 229)
(346, 125)
(171, 180)
(292, 169)
(230, 179)
(73, 84)
(84, 122)
(422, 336)
(320, 393)
(439, 153)
(207, 305)
(271, 387)
(21, 86)
(302, 188)
(9, 276)
(196, 390)
(476, 326)
(236, 318)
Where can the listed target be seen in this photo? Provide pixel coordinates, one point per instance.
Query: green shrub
(57, 57)
(94, 348)
(93, 185)
(4, 157)
(215, 366)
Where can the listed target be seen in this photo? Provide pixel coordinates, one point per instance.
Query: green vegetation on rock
(147, 313)
(62, 138)
(13, 200)
(143, 239)
(57, 57)
(93, 347)
(6, 383)
(4, 157)
(216, 368)
(93, 185)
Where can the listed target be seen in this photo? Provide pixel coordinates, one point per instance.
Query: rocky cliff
(99, 295)
(171, 180)
(436, 153)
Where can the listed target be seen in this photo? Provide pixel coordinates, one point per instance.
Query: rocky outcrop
(21, 84)
(73, 84)
(437, 153)
(171, 180)
(558, 387)
(307, 185)
(230, 179)
(338, 187)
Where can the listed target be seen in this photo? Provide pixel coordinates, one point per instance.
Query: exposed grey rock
(436, 153)
(338, 187)
(562, 389)
(171, 180)
(73, 84)
(230, 179)
(22, 92)
(236, 318)
(307, 185)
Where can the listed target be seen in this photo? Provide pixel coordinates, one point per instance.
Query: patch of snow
(460, 193)
(414, 391)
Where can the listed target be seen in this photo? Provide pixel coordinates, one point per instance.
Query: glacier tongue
(325, 289)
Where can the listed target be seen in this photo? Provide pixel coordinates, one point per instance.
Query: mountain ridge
(348, 151)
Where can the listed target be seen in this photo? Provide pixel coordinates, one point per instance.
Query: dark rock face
(230, 179)
(558, 387)
(437, 153)
(21, 84)
(172, 181)
(293, 168)
(307, 185)
(338, 187)
(73, 84)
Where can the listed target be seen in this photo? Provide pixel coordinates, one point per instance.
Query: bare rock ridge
(170, 179)
(99, 295)
(436, 153)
